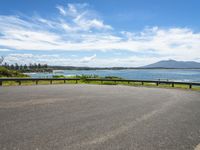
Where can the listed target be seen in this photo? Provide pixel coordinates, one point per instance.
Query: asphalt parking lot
(97, 117)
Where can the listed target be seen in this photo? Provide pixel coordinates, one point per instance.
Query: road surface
(98, 117)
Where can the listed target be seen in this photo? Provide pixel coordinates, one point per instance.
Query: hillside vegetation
(10, 73)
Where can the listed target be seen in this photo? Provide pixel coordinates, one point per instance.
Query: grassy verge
(13, 83)
(84, 77)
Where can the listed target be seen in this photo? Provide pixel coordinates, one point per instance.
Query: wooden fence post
(172, 84)
(19, 81)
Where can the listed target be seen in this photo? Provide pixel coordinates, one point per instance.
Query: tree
(30, 66)
(45, 66)
(1, 60)
(21, 67)
(16, 66)
(35, 66)
(6, 65)
(25, 67)
(12, 67)
(39, 66)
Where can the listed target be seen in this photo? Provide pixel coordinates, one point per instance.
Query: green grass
(13, 83)
(84, 77)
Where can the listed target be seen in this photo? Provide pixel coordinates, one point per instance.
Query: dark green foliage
(30, 68)
(59, 76)
(113, 77)
(4, 72)
(83, 77)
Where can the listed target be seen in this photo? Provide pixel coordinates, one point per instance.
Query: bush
(113, 77)
(84, 77)
(10, 73)
(58, 76)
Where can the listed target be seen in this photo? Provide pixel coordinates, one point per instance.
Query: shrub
(113, 77)
(10, 73)
(58, 76)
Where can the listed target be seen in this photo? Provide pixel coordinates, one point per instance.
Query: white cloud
(23, 35)
(78, 28)
(48, 59)
(88, 59)
(81, 18)
(61, 10)
(4, 50)
(93, 61)
(32, 58)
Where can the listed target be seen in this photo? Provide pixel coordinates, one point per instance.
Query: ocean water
(184, 75)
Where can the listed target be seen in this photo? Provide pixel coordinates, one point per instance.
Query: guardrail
(157, 82)
(36, 80)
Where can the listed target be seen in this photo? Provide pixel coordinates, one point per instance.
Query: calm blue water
(154, 74)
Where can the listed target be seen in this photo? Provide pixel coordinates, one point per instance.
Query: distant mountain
(174, 64)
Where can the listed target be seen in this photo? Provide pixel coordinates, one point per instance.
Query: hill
(174, 64)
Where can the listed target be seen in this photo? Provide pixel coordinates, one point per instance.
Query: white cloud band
(78, 29)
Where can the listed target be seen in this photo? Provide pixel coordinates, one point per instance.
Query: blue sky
(99, 33)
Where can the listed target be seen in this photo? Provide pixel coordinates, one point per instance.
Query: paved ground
(62, 117)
